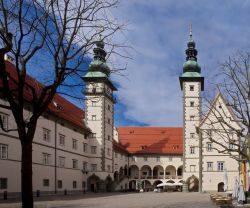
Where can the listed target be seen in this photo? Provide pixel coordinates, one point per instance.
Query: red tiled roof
(119, 146)
(151, 140)
(65, 109)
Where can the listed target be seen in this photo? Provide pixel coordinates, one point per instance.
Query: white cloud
(159, 32)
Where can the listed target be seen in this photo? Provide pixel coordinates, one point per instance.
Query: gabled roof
(151, 140)
(228, 107)
(59, 107)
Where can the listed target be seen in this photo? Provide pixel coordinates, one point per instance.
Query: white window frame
(93, 117)
(5, 120)
(209, 146)
(46, 135)
(84, 166)
(85, 147)
(61, 161)
(192, 150)
(74, 144)
(3, 151)
(93, 167)
(209, 166)
(74, 163)
(46, 158)
(93, 149)
(61, 140)
(220, 165)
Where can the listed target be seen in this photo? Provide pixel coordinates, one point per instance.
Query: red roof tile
(65, 109)
(151, 140)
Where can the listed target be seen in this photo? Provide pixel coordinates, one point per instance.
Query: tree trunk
(26, 182)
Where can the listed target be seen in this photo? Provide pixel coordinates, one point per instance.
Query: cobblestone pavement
(127, 200)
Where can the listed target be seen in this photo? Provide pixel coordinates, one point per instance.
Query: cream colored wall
(212, 178)
(11, 169)
(190, 127)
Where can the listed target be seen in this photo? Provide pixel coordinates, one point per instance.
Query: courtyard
(124, 200)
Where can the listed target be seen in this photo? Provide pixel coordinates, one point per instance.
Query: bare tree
(231, 123)
(60, 34)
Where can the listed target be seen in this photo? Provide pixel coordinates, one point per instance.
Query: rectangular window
(46, 182)
(220, 166)
(192, 104)
(109, 169)
(61, 162)
(46, 159)
(145, 158)
(85, 147)
(85, 166)
(93, 117)
(74, 144)
(93, 149)
(191, 135)
(109, 108)
(61, 140)
(108, 151)
(192, 150)
(3, 183)
(209, 166)
(109, 121)
(46, 135)
(231, 146)
(192, 118)
(74, 164)
(93, 135)
(192, 168)
(109, 137)
(133, 159)
(158, 159)
(74, 184)
(4, 118)
(59, 184)
(191, 87)
(3, 151)
(94, 103)
(209, 146)
(93, 167)
(85, 136)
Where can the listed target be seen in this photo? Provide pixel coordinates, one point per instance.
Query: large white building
(81, 150)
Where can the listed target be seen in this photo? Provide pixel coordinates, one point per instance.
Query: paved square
(128, 200)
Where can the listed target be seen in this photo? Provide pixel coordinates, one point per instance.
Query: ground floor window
(3, 183)
(74, 184)
(45, 182)
(59, 184)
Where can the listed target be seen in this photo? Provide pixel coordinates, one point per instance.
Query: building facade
(81, 150)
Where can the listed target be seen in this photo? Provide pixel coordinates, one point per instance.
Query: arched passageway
(193, 184)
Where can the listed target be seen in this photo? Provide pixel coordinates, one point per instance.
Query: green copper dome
(191, 66)
(98, 64)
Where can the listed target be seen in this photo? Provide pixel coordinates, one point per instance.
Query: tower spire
(191, 68)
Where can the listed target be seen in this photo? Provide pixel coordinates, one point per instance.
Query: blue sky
(158, 32)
